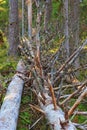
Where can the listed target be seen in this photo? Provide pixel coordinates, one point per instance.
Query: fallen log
(11, 104)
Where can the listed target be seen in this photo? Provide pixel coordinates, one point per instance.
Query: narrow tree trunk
(29, 5)
(66, 29)
(74, 27)
(22, 18)
(76, 33)
(47, 15)
(13, 27)
(11, 104)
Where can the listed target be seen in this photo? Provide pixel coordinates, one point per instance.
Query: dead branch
(74, 93)
(70, 60)
(81, 97)
(35, 122)
(81, 113)
(52, 93)
(36, 108)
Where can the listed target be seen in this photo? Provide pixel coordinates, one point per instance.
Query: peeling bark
(56, 118)
(11, 104)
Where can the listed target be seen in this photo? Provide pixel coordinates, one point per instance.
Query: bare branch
(81, 97)
(36, 108)
(74, 93)
(52, 93)
(70, 60)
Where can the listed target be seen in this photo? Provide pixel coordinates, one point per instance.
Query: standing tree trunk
(29, 5)
(74, 27)
(22, 18)
(47, 15)
(76, 34)
(13, 27)
(66, 29)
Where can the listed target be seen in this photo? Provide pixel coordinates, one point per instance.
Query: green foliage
(56, 8)
(84, 3)
(25, 117)
(25, 99)
(3, 14)
(82, 75)
(83, 19)
(7, 64)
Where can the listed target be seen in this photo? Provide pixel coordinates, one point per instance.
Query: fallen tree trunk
(56, 117)
(11, 104)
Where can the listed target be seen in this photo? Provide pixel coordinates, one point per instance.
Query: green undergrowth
(7, 63)
(4, 15)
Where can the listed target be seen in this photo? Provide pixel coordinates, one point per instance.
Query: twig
(36, 108)
(68, 86)
(81, 113)
(36, 122)
(59, 91)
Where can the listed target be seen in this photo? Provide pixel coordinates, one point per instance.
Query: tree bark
(11, 104)
(74, 28)
(22, 18)
(29, 5)
(56, 118)
(47, 15)
(13, 27)
(66, 29)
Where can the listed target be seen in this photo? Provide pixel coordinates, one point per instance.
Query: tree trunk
(47, 15)
(66, 29)
(22, 18)
(56, 118)
(74, 27)
(29, 5)
(13, 27)
(11, 104)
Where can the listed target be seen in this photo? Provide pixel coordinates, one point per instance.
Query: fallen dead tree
(57, 119)
(51, 106)
(11, 104)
